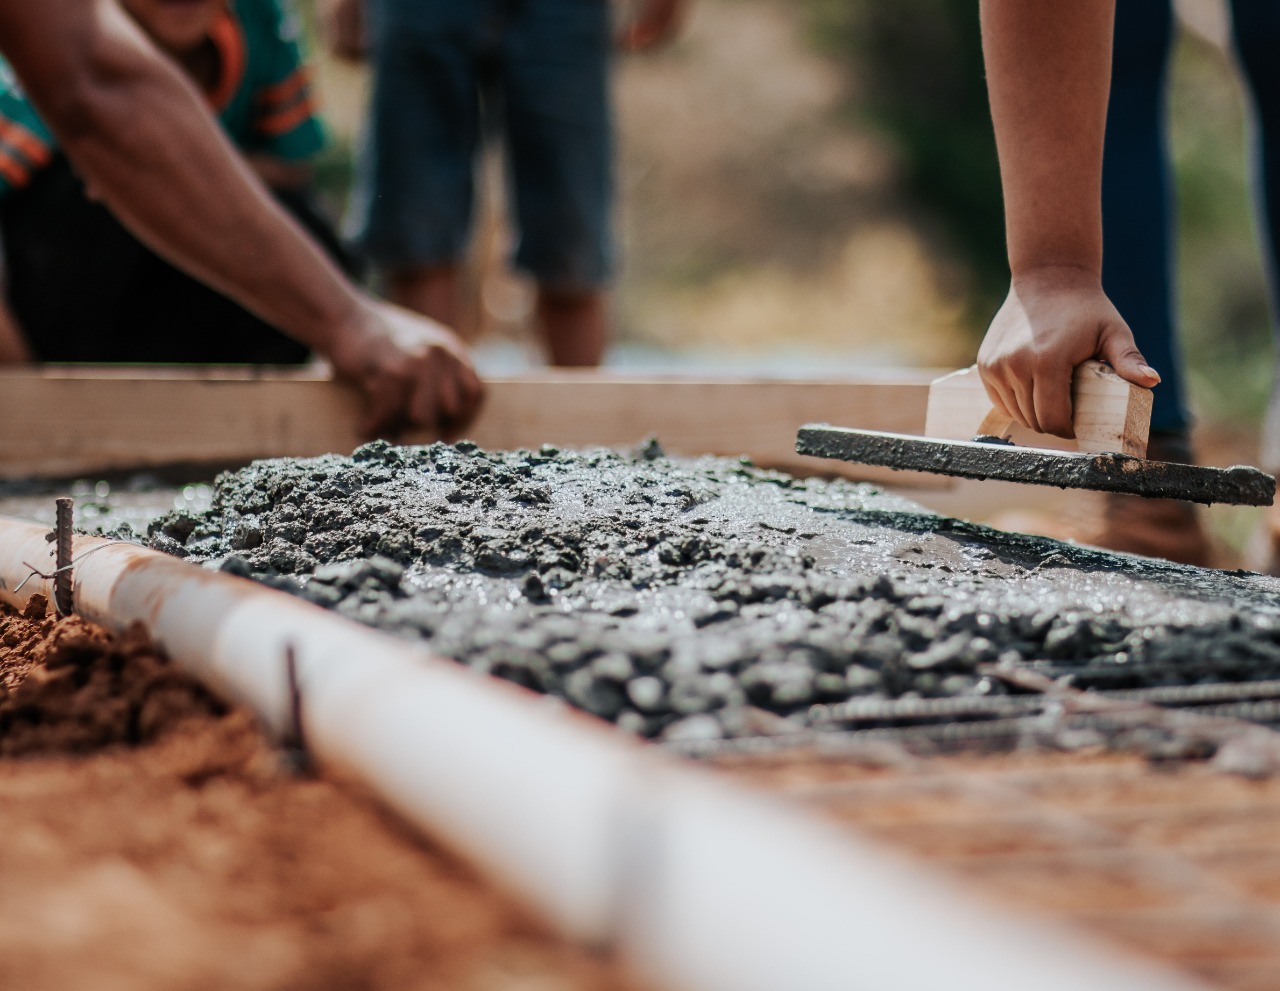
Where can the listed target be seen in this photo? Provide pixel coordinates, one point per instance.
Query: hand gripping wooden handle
(1110, 414)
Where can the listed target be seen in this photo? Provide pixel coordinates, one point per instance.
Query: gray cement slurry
(104, 506)
(690, 600)
(1241, 485)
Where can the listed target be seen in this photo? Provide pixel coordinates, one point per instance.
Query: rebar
(63, 594)
(861, 711)
(295, 738)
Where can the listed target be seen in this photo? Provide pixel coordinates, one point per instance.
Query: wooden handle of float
(995, 424)
(1110, 414)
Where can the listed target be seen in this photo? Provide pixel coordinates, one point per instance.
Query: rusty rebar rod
(295, 739)
(63, 597)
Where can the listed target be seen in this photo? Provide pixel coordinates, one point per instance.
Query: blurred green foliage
(335, 172)
(919, 82)
(1222, 304)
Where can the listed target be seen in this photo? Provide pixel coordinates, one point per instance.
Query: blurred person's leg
(556, 63)
(1256, 27)
(412, 204)
(435, 291)
(1138, 274)
(574, 327)
(1137, 204)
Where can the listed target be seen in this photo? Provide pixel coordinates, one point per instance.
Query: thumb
(1120, 351)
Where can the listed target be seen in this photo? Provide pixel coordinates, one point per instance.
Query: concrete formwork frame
(70, 420)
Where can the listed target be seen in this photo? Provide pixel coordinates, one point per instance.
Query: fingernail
(1148, 370)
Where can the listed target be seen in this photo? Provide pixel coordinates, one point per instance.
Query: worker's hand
(345, 28)
(413, 372)
(654, 23)
(1053, 320)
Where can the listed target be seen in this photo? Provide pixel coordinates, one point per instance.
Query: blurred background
(811, 186)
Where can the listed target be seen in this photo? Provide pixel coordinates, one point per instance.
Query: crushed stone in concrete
(694, 600)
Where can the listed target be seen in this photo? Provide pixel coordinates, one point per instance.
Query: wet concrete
(1240, 485)
(690, 600)
(104, 505)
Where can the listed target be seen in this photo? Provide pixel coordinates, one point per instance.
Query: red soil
(151, 838)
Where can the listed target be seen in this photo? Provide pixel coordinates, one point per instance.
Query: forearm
(1048, 76)
(145, 143)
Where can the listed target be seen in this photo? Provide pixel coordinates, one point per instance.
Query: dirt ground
(151, 838)
(1174, 862)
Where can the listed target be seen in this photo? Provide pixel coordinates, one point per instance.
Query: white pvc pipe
(483, 762)
(701, 886)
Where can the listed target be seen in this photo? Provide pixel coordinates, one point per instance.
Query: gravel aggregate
(691, 600)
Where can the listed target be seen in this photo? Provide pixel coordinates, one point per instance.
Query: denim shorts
(447, 73)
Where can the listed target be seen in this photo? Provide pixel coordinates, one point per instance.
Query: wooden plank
(70, 420)
(1111, 415)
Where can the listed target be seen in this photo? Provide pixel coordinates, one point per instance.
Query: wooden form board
(77, 419)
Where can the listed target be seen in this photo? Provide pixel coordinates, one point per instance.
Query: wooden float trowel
(965, 437)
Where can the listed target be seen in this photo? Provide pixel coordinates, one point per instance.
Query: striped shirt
(262, 96)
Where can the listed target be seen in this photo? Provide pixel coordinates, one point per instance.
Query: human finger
(386, 403)
(1120, 351)
(1051, 402)
(993, 380)
(1019, 387)
(422, 400)
(472, 391)
(452, 420)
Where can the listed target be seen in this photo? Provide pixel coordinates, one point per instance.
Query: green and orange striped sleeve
(26, 145)
(285, 118)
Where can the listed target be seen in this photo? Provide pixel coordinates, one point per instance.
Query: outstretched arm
(1048, 76)
(145, 144)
